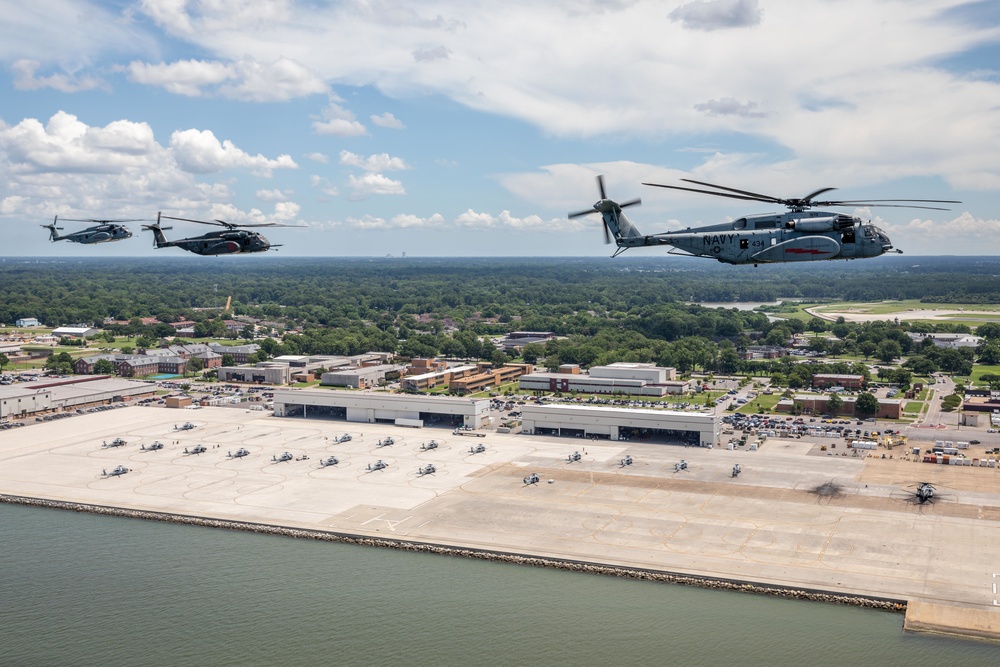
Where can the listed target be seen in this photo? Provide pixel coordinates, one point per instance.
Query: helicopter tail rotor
(614, 223)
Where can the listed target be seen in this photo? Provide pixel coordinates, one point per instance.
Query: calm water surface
(79, 589)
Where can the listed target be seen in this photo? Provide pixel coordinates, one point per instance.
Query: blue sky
(471, 128)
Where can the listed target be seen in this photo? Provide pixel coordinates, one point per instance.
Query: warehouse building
(621, 378)
(401, 409)
(360, 378)
(654, 426)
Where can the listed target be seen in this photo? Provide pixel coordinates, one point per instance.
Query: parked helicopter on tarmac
(378, 465)
(116, 472)
(531, 479)
(737, 469)
(627, 461)
(344, 438)
(427, 446)
(103, 231)
(329, 461)
(240, 453)
(428, 469)
(153, 446)
(287, 456)
(197, 449)
(232, 240)
(478, 449)
(801, 234)
(117, 442)
(186, 426)
(575, 456)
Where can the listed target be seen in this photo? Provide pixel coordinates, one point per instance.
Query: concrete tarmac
(793, 519)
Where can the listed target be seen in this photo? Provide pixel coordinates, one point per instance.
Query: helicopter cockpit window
(740, 224)
(869, 231)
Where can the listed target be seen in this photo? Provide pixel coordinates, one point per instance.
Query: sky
(471, 128)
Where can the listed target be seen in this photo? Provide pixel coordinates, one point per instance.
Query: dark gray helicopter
(240, 453)
(197, 449)
(116, 472)
(103, 231)
(378, 465)
(287, 456)
(117, 442)
(234, 239)
(799, 235)
(153, 446)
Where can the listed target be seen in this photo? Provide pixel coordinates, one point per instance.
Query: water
(79, 589)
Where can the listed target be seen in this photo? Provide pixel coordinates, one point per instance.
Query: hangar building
(656, 426)
(402, 409)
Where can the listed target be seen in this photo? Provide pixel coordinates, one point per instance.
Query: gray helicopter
(240, 453)
(329, 461)
(427, 446)
(232, 240)
(117, 442)
(103, 231)
(531, 479)
(116, 472)
(799, 235)
(153, 446)
(575, 456)
(627, 461)
(378, 465)
(478, 449)
(197, 449)
(386, 442)
(287, 456)
(428, 469)
(186, 426)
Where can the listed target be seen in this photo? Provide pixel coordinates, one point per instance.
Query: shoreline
(644, 574)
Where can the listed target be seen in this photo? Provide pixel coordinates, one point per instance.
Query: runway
(792, 519)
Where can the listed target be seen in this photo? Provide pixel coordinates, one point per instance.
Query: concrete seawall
(878, 603)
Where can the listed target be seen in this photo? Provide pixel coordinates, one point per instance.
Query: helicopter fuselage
(220, 243)
(98, 234)
(778, 237)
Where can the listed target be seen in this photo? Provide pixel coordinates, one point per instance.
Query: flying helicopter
(102, 231)
(800, 234)
(234, 239)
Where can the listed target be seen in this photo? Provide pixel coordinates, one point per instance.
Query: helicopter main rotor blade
(600, 186)
(200, 222)
(769, 200)
(577, 214)
(755, 195)
(630, 202)
(809, 197)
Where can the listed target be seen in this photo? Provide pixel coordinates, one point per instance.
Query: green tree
(866, 405)
(105, 367)
(834, 404)
(889, 350)
(4, 360)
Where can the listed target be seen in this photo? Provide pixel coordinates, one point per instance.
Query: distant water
(79, 589)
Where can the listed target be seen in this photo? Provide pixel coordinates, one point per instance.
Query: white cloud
(373, 184)
(69, 168)
(200, 152)
(380, 162)
(674, 75)
(338, 121)
(387, 120)
(718, 14)
(245, 79)
(25, 78)
(274, 195)
(317, 157)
